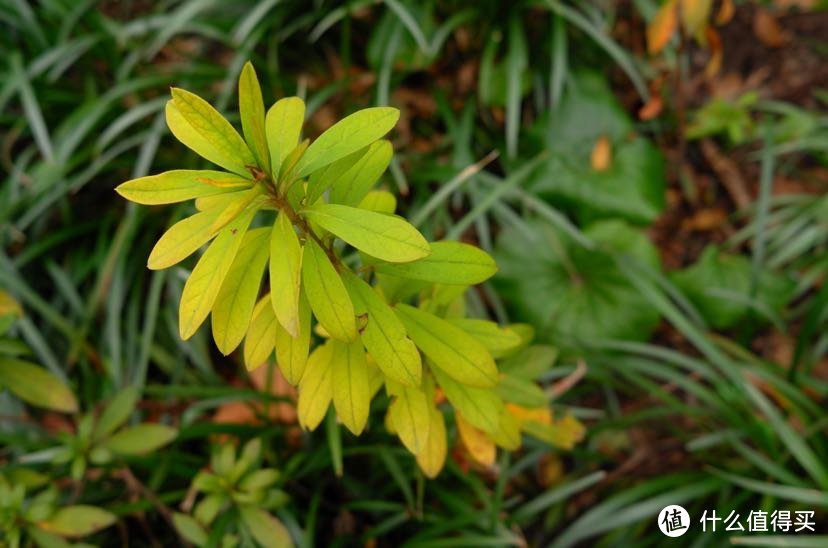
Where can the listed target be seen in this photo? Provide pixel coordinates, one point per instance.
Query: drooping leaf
(35, 385)
(571, 293)
(350, 385)
(117, 411)
(207, 277)
(354, 183)
(261, 336)
(234, 303)
(283, 125)
(409, 414)
(292, 352)
(207, 133)
(180, 185)
(450, 262)
(499, 341)
(480, 407)
(327, 295)
(432, 457)
(315, 388)
(348, 135)
(285, 274)
(386, 237)
(187, 235)
(77, 521)
(384, 335)
(451, 349)
(476, 441)
(268, 531)
(251, 109)
(140, 439)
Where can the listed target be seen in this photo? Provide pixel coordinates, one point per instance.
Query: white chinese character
(713, 519)
(803, 519)
(757, 521)
(781, 520)
(732, 522)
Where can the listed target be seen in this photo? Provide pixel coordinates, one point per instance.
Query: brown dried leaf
(768, 30)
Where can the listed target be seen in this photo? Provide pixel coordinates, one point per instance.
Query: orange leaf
(479, 445)
(662, 27)
(767, 29)
(652, 108)
(601, 157)
(716, 53)
(726, 11)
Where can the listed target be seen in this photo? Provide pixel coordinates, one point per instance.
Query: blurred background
(650, 176)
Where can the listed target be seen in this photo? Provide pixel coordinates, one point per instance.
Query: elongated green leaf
(451, 349)
(354, 183)
(350, 385)
(140, 439)
(283, 126)
(285, 274)
(521, 391)
(261, 337)
(432, 457)
(386, 237)
(449, 263)
(292, 352)
(499, 341)
(322, 179)
(480, 407)
(315, 389)
(117, 411)
(77, 521)
(410, 416)
(384, 335)
(180, 185)
(507, 434)
(234, 303)
(251, 109)
(204, 283)
(202, 129)
(189, 528)
(327, 295)
(35, 385)
(268, 531)
(187, 235)
(350, 134)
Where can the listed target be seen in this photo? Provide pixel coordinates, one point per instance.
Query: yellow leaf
(454, 351)
(178, 185)
(695, 14)
(187, 235)
(409, 415)
(351, 386)
(481, 407)
(384, 335)
(380, 201)
(507, 434)
(476, 441)
(283, 125)
(452, 263)
(315, 389)
(499, 341)
(292, 352)
(661, 28)
(251, 109)
(261, 336)
(601, 157)
(285, 274)
(327, 295)
(432, 457)
(234, 304)
(205, 281)
(542, 415)
(9, 306)
(202, 129)
(386, 237)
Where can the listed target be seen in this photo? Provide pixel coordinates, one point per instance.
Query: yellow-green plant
(389, 315)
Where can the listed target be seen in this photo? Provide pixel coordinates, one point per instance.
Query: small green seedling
(390, 314)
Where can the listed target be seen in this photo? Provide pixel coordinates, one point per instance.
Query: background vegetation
(653, 191)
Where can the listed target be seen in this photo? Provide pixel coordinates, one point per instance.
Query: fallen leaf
(714, 43)
(662, 27)
(725, 13)
(768, 30)
(601, 157)
(652, 108)
(705, 220)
